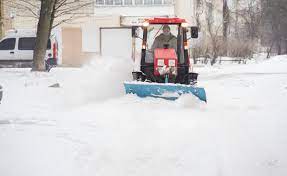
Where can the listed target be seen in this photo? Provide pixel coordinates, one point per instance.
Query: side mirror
(135, 31)
(194, 32)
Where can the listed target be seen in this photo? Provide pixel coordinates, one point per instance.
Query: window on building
(128, 2)
(148, 2)
(138, 2)
(8, 44)
(118, 2)
(168, 1)
(157, 1)
(109, 2)
(133, 2)
(100, 2)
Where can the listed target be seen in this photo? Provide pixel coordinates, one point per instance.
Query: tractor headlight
(186, 47)
(171, 63)
(160, 62)
(145, 24)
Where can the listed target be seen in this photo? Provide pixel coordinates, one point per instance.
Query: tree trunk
(43, 33)
(236, 20)
(53, 15)
(214, 51)
(225, 25)
(279, 47)
(269, 50)
(1, 19)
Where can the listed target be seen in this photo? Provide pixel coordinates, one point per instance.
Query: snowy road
(89, 127)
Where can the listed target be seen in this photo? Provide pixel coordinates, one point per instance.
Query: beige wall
(72, 54)
(6, 20)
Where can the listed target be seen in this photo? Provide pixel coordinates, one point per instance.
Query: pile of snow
(240, 131)
(99, 80)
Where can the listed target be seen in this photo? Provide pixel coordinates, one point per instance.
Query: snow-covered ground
(89, 126)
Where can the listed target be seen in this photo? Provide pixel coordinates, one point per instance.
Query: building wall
(72, 47)
(80, 38)
(17, 16)
(135, 10)
(84, 30)
(7, 23)
(115, 17)
(91, 31)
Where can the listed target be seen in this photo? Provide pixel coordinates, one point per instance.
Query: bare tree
(65, 10)
(225, 24)
(243, 19)
(43, 33)
(215, 41)
(199, 12)
(214, 32)
(50, 9)
(236, 20)
(275, 25)
(52, 13)
(248, 15)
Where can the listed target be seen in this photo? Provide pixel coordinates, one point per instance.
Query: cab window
(8, 44)
(28, 43)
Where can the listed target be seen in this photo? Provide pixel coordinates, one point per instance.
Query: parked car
(16, 49)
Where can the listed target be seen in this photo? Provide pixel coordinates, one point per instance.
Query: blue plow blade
(163, 90)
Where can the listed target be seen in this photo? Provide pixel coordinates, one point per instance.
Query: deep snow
(89, 126)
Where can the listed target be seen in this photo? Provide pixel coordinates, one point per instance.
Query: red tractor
(165, 70)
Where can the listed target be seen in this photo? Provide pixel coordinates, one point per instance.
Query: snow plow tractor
(164, 69)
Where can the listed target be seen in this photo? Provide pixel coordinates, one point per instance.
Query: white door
(8, 49)
(116, 42)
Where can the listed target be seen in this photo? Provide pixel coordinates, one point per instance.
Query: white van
(16, 49)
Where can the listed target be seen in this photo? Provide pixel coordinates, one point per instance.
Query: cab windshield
(162, 36)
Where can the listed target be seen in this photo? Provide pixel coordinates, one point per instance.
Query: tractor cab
(165, 51)
(164, 70)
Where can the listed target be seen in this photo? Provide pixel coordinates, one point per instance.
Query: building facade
(95, 29)
(104, 25)
(109, 28)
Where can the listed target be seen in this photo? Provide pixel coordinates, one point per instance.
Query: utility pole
(1, 19)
